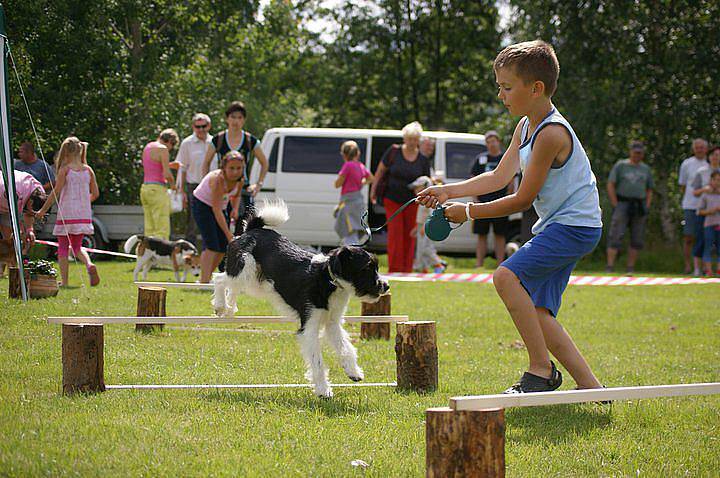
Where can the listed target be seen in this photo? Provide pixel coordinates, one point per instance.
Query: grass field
(630, 335)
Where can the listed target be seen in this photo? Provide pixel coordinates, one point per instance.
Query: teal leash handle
(369, 230)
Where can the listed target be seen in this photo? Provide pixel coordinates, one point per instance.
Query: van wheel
(95, 242)
(514, 242)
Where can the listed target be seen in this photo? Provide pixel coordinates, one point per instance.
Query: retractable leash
(437, 227)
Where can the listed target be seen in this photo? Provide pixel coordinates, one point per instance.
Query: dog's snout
(384, 287)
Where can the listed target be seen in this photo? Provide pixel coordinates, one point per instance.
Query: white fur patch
(319, 258)
(274, 213)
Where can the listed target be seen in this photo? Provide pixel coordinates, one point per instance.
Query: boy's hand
(432, 196)
(455, 212)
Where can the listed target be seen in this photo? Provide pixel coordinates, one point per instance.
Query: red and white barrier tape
(574, 280)
(90, 249)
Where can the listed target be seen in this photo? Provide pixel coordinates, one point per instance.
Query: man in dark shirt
(485, 162)
(30, 163)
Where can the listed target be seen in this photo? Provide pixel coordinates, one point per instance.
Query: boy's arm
(549, 143)
(492, 180)
(484, 183)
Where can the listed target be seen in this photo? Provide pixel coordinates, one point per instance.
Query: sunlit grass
(630, 335)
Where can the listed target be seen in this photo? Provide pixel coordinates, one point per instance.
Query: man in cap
(629, 188)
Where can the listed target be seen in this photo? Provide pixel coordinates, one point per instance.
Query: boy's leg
(499, 248)
(480, 250)
(525, 317)
(561, 345)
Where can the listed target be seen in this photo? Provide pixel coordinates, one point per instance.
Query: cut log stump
(82, 358)
(151, 303)
(417, 356)
(369, 330)
(14, 284)
(464, 443)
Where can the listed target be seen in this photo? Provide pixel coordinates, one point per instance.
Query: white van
(304, 163)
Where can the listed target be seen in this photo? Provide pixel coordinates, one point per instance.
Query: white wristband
(467, 211)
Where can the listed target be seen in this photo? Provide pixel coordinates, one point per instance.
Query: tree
(629, 70)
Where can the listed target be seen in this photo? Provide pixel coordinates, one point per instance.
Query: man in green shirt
(629, 188)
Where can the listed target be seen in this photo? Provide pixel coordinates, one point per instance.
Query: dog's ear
(188, 259)
(335, 261)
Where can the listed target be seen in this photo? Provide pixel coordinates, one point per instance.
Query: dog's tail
(270, 214)
(186, 246)
(132, 242)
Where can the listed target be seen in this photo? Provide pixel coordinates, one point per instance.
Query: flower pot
(42, 285)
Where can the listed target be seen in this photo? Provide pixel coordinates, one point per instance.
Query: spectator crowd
(212, 183)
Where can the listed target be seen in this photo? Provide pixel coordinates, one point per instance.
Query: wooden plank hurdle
(83, 352)
(468, 437)
(205, 319)
(147, 292)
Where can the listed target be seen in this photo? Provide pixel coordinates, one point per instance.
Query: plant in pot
(43, 278)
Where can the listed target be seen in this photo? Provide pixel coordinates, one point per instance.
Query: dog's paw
(354, 372)
(224, 312)
(324, 392)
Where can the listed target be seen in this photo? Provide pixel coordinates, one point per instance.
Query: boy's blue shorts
(544, 263)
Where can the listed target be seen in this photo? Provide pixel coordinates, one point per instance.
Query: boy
(558, 181)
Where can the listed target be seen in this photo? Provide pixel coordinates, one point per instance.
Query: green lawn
(631, 336)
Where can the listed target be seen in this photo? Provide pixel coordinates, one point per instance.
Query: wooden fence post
(82, 358)
(151, 303)
(417, 356)
(464, 443)
(376, 330)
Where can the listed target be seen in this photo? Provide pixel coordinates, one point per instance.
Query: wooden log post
(151, 303)
(417, 356)
(464, 443)
(82, 359)
(14, 284)
(377, 330)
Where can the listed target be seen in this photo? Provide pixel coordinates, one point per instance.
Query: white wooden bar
(210, 286)
(483, 402)
(244, 386)
(177, 285)
(200, 319)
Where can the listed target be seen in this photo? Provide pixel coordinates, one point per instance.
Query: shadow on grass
(556, 424)
(302, 400)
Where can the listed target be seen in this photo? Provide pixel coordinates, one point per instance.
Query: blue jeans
(711, 238)
(699, 246)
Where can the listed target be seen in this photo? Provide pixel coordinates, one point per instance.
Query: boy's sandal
(534, 383)
(94, 276)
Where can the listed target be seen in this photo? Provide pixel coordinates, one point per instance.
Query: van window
(459, 158)
(272, 159)
(303, 154)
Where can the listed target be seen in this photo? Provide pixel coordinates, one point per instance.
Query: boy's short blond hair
(531, 61)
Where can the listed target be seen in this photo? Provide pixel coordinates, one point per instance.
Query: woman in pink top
(156, 179)
(31, 197)
(216, 189)
(352, 177)
(77, 188)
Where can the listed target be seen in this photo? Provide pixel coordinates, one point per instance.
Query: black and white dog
(152, 250)
(315, 289)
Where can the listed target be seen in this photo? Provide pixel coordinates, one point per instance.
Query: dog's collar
(333, 278)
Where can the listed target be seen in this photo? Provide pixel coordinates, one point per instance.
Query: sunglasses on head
(200, 126)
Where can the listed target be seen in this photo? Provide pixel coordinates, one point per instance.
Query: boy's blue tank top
(569, 195)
